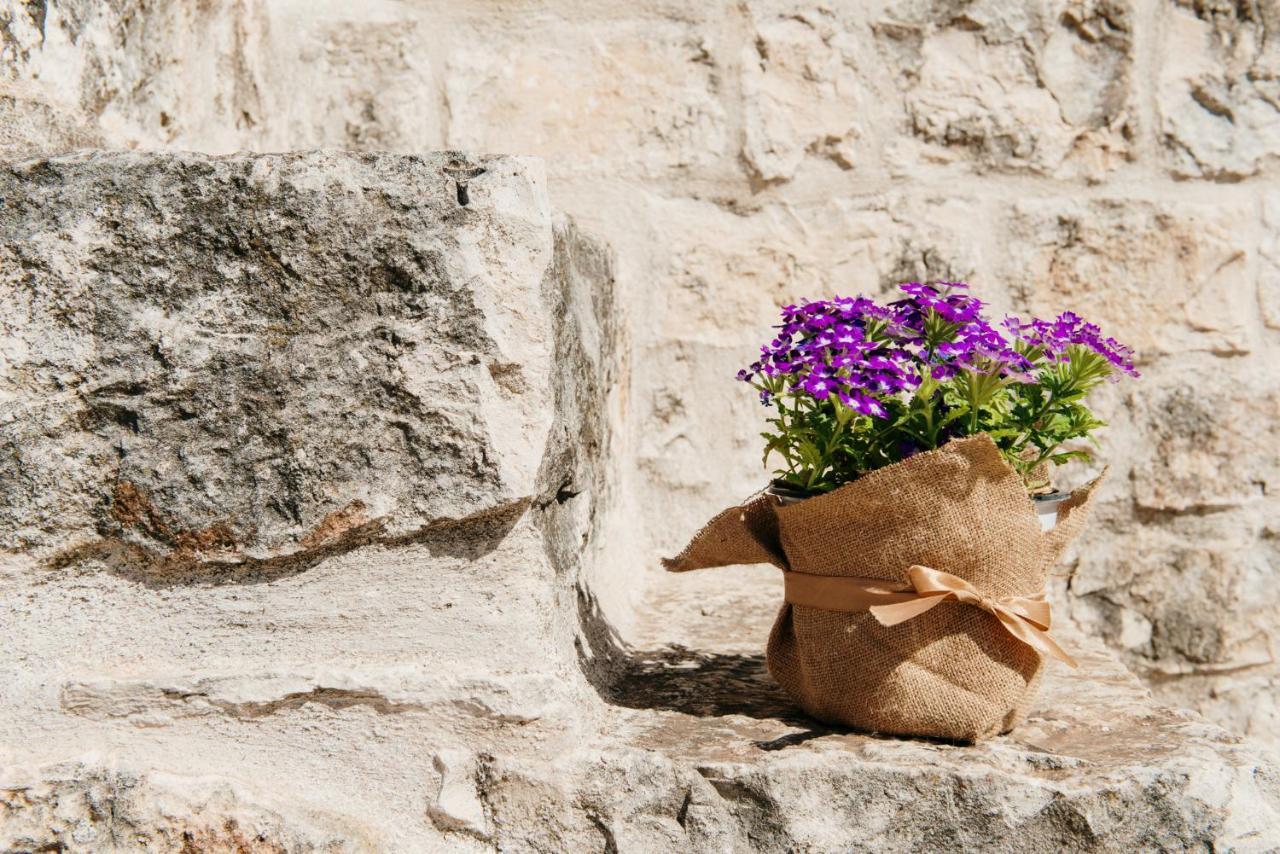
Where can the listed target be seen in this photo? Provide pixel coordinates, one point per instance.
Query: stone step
(307, 484)
(298, 454)
(704, 752)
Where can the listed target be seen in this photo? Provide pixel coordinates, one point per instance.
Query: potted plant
(914, 441)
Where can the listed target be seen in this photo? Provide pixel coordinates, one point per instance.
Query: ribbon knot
(1026, 618)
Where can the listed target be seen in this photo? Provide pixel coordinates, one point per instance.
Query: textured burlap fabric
(953, 672)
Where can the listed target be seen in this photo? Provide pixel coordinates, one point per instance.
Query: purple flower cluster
(1054, 337)
(831, 348)
(867, 355)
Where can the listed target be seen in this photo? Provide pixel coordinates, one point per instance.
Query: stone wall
(1115, 157)
(301, 456)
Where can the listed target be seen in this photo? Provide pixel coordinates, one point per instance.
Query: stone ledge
(415, 673)
(712, 756)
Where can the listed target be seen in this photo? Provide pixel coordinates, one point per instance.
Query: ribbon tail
(900, 612)
(1034, 637)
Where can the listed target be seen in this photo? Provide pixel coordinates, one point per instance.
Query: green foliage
(819, 445)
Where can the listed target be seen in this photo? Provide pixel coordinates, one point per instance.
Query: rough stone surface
(1117, 259)
(1098, 766)
(1219, 90)
(301, 456)
(1039, 87)
(1115, 157)
(77, 806)
(211, 354)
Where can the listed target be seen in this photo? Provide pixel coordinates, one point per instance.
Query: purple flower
(858, 349)
(1068, 329)
(864, 403)
(819, 387)
(876, 359)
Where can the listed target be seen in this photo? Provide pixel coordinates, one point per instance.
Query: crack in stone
(469, 536)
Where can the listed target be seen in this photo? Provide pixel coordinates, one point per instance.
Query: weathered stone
(803, 95)
(1219, 92)
(188, 341)
(699, 751)
(205, 358)
(1269, 279)
(659, 111)
(713, 757)
(1163, 278)
(1041, 87)
(1172, 579)
(727, 273)
(457, 806)
(131, 75)
(1179, 578)
(1193, 421)
(87, 807)
(642, 103)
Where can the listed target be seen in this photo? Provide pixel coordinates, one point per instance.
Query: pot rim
(782, 490)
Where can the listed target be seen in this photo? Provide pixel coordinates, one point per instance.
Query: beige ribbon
(1026, 618)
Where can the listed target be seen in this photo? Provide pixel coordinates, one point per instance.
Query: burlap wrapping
(953, 672)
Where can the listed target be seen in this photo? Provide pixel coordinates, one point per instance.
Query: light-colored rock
(85, 806)
(1195, 419)
(974, 132)
(227, 370)
(1218, 92)
(193, 345)
(707, 755)
(216, 77)
(426, 684)
(1024, 87)
(1163, 278)
(699, 751)
(640, 101)
(1269, 279)
(803, 94)
(1180, 580)
(457, 805)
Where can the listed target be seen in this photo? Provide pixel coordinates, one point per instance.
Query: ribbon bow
(1027, 619)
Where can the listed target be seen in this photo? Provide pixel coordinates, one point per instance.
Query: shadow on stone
(702, 684)
(677, 679)
(705, 684)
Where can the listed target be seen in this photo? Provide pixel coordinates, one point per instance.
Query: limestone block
(1210, 435)
(218, 77)
(1218, 94)
(1162, 277)
(85, 806)
(1179, 576)
(803, 94)
(301, 457)
(1013, 87)
(703, 753)
(209, 359)
(35, 118)
(696, 750)
(642, 100)
(1269, 278)
(457, 805)
(728, 272)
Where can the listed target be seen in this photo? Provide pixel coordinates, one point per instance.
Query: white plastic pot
(1047, 508)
